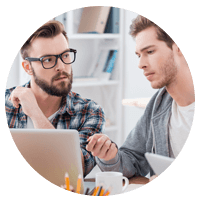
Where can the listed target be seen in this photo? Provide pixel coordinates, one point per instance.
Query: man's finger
(104, 149)
(111, 153)
(15, 102)
(91, 144)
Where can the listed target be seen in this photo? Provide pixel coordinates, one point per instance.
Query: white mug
(112, 181)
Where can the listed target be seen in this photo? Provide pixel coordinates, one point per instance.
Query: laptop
(158, 163)
(52, 153)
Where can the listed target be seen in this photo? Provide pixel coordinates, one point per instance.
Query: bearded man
(46, 101)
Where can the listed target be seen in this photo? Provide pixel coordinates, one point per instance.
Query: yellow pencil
(67, 183)
(95, 191)
(78, 187)
(102, 192)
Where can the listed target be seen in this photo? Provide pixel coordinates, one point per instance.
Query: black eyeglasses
(50, 61)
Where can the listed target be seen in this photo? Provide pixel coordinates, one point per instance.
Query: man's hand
(153, 177)
(26, 98)
(101, 146)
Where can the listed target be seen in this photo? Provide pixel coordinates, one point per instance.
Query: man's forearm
(40, 121)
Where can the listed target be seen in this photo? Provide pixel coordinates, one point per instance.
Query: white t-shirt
(180, 125)
(30, 122)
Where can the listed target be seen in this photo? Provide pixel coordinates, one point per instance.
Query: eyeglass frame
(30, 59)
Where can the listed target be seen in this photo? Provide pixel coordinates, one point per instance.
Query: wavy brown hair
(48, 30)
(141, 23)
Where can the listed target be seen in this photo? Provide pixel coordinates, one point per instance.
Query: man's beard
(62, 89)
(168, 73)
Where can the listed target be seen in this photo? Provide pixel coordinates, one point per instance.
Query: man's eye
(47, 60)
(150, 52)
(138, 55)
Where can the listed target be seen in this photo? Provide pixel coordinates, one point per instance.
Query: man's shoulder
(81, 102)
(76, 98)
(9, 91)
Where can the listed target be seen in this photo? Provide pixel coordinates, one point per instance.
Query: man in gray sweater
(167, 120)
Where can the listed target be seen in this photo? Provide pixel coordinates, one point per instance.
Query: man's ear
(177, 50)
(27, 67)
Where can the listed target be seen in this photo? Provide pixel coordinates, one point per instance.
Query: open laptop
(158, 163)
(52, 153)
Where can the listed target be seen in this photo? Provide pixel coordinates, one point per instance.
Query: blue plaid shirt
(75, 112)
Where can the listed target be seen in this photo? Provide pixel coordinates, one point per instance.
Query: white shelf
(93, 83)
(93, 36)
(108, 93)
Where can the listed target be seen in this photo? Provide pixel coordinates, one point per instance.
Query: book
(100, 63)
(94, 19)
(112, 25)
(111, 61)
(109, 65)
(103, 64)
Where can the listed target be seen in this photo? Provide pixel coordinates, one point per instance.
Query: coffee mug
(112, 181)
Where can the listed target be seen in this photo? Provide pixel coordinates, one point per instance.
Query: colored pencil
(67, 182)
(95, 191)
(106, 193)
(85, 143)
(102, 192)
(98, 193)
(78, 187)
(87, 190)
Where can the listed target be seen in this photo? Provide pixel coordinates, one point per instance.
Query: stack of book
(102, 66)
(99, 19)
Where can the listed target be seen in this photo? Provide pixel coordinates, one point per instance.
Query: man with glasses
(47, 100)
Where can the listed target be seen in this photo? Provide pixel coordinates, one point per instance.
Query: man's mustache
(61, 74)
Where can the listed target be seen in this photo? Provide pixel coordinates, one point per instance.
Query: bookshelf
(107, 93)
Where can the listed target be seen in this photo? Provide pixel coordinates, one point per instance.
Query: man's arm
(129, 159)
(26, 98)
(93, 123)
(40, 121)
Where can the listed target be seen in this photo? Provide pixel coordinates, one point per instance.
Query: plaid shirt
(75, 112)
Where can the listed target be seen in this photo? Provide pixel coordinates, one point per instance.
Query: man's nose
(60, 65)
(142, 63)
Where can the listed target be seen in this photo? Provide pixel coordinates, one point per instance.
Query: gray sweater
(151, 134)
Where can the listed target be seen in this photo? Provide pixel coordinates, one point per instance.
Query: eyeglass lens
(50, 61)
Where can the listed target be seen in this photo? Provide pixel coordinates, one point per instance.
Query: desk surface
(138, 180)
(133, 180)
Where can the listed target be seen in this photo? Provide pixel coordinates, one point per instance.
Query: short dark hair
(48, 30)
(141, 23)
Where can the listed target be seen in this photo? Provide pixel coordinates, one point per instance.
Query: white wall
(135, 83)
(17, 75)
